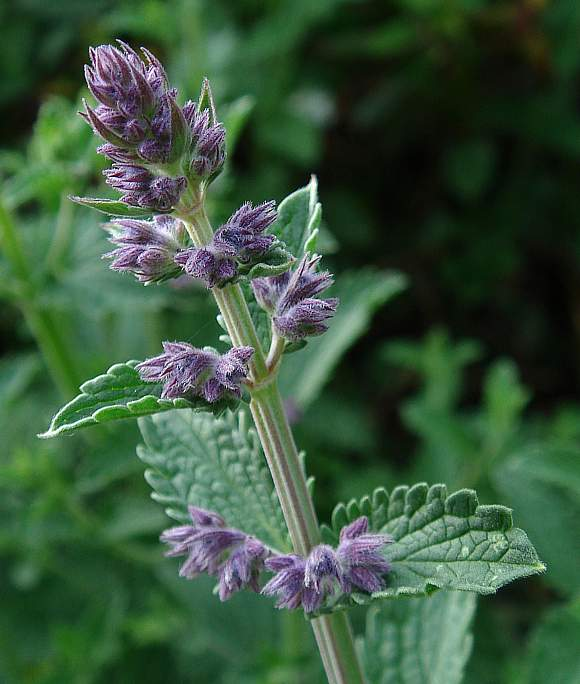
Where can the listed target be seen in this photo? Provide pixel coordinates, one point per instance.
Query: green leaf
(543, 483)
(120, 393)
(206, 102)
(216, 464)
(440, 362)
(235, 118)
(554, 655)
(298, 220)
(415, 641)
(361, 293)
(110, 207)
(276, 261)
(440, 541)
(505, 398)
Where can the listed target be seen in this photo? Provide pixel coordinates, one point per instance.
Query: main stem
(333, 632)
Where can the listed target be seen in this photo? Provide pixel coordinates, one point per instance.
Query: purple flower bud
(134, 95)
(142, 189)
(309, 582)
(229, 554)
(358, 554)
(207, 141)
(117, 154)
(146, 248)
(238, 241)
(189, 372)
(290, 298)
(242, 569)
(303, 582)
(213, 269)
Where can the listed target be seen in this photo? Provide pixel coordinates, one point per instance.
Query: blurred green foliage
(446, 138)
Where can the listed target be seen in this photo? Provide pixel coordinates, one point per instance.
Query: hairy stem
(43, 324)
(333, 632)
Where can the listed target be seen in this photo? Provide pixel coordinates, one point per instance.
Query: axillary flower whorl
(240, 240)
(292, 300)
(189, 372)
(232, 556)
(146, 248)
(356, 564)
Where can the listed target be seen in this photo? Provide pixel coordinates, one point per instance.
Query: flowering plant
(265, 276)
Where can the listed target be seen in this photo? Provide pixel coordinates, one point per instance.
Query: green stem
(333, 632)
(45, 328)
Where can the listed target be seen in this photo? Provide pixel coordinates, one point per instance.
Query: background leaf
(361, 293)
(553, 654)
(542, 483)
(415, 641)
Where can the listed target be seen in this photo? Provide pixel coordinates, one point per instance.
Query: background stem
(333, 632)
(46, 329)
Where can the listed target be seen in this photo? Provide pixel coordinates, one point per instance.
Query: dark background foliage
(446, 140)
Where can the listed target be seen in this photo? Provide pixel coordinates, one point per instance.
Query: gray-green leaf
(120, 393)
(111, 207)
(440, 541)
(414, 641)
(298, 220)
(196, 459)
(361, 293)
(275, 262)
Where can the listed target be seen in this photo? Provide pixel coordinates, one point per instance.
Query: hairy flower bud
(239, 241)
(146, 248)
(208, 151)
(232, 556)
(291, 299)
(137, 109)
(326, 572)
(358, 554)
(141, 188)
(189, 372)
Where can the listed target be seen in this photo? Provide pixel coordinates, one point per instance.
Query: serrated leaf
(542, 482)
(361, 293)
(441, 541)
(120, 393)
(111, 207)
(414, 641)
(215, 464)
(298, 220)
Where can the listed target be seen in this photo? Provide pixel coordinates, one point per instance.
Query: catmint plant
(269, 286)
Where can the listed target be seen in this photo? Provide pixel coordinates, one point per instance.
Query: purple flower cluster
(207, 135)
(146, 248)
(240, 241)
(154, 144)
(189, 372)
(237, 559)
(291, 300)
(308, 582)
(232, 556)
